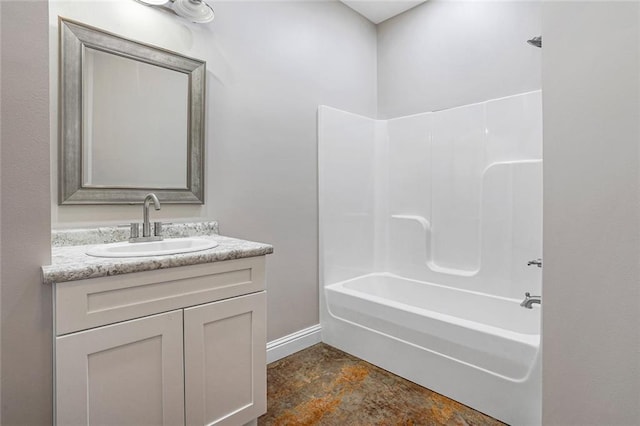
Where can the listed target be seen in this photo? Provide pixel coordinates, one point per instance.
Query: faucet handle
(537, 262)
(157, 229)
(134, 230)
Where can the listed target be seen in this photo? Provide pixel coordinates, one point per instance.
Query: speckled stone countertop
(114, 234)
(70, 262)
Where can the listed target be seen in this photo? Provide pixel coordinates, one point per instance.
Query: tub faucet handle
(537, 262)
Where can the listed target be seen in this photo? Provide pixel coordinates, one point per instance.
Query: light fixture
(197, 11)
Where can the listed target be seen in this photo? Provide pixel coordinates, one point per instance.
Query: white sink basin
(152, 248)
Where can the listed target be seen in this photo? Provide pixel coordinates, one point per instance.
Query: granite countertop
(71, 263)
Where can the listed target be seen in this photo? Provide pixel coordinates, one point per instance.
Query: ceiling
(380, 10)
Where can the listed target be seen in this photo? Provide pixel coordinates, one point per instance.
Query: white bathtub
(478, 349)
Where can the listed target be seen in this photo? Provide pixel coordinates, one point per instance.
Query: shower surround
(427, 223)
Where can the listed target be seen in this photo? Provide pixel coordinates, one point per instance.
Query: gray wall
(263, 159)
(269, 66)
(447, 53)
(26, 321)
(591, 277)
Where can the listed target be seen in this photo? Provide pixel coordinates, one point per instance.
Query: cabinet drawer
(85, 304)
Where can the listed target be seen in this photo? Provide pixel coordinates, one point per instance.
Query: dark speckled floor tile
(324, 386)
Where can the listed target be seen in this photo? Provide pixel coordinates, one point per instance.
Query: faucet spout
(146, 225)
(529, 300)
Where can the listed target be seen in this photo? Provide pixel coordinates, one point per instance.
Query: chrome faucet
(146, 225)
(529, 300)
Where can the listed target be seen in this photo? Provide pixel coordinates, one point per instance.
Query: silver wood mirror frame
(75, 37)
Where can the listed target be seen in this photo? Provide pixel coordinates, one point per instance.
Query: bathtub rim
(525, 338)
(531, 340)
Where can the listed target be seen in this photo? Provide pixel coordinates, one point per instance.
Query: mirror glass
(131, 120)
(135, 116)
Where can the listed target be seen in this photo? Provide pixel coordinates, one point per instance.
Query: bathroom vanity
(171, 339)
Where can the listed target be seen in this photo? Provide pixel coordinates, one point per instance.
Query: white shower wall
(348, 150)
(452, 197)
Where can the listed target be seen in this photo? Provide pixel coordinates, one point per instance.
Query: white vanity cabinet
(183, 345)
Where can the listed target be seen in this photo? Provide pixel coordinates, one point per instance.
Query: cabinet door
(225, 361)
(130, 373)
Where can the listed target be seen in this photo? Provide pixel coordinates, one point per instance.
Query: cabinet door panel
(225, 361)
(129, 373)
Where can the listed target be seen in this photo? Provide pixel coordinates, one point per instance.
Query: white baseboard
(292, 343)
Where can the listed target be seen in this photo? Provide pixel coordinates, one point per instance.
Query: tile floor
(324, 386)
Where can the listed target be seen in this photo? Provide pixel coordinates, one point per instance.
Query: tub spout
(529, 300)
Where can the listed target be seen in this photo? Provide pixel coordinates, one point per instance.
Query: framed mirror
(131, 120)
